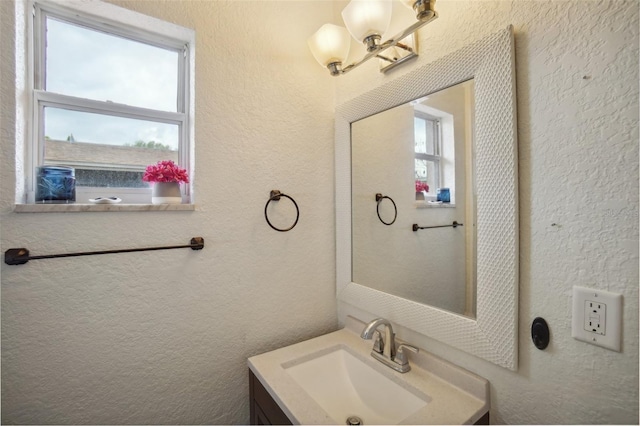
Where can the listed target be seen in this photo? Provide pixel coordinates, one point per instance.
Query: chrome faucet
(387, 347)
(385, 350)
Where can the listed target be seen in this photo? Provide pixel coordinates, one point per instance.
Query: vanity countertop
(457, 396)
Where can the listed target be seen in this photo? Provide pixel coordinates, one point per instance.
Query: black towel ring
(379, 198)
(275, 196)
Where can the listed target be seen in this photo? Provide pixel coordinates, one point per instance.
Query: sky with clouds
(90, 64)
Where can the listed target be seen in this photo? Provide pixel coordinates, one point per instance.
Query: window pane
(90, 64)
(430, 136)
(424, 130)
(421, 170)
(110, 178)
(106, 149)
(420, 135)
(427, 171)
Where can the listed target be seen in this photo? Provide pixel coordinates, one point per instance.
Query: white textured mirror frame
(493, 334)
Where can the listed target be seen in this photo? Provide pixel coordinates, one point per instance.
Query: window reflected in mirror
(428, 142)
(421, 154)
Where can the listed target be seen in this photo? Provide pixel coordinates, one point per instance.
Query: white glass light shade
(408, 3)
(330, 44)
(365, 18)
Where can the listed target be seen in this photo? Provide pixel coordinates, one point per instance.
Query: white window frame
(436, 157)
(115, 20)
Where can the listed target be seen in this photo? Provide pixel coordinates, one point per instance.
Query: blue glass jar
(443, 195)
(55, 184)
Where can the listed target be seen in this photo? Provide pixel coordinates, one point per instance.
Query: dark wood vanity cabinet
(263, 409)
(484, 420)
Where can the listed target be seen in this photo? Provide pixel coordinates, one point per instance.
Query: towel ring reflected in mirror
(379, 198)
(275, 196)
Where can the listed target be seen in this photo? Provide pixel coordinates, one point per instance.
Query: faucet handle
(401, 356)
(378, 344)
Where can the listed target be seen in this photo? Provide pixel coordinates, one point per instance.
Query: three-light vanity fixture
(367, 20)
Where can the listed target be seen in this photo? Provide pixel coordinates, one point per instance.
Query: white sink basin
(329, 378)
(345, 386)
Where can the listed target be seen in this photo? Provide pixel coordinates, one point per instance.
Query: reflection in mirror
(493, 333)
(409, 153)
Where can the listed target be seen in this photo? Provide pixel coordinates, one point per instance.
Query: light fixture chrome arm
(394, 41)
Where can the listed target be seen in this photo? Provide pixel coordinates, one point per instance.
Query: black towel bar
(20, 256)
(453, 225)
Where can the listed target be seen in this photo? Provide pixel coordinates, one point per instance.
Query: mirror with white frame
(492, 334)
(411, 153)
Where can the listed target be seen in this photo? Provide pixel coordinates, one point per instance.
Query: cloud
(106, 129)
(90, 64)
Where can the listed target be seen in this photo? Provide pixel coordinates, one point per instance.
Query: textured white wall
(577, 88)
(163, 337)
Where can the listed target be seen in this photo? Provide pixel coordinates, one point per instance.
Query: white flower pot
(166, 193)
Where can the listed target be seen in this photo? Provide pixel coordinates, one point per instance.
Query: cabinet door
(263, 409)
(257, 416)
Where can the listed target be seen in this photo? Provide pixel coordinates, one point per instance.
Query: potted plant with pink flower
(166, 177)
(421, 188)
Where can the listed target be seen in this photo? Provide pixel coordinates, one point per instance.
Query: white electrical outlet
(597, 317)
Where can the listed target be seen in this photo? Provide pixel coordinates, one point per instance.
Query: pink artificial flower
(165, 171)
(421, 186)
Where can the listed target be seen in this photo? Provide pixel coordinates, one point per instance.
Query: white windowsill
(428, 205)
(80, 208)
